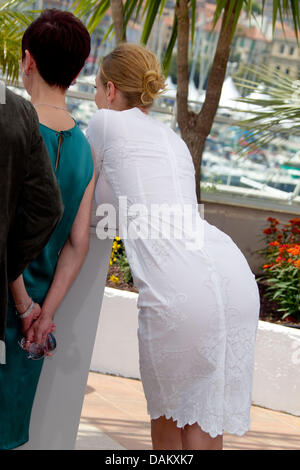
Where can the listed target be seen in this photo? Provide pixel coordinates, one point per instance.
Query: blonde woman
(198, 306)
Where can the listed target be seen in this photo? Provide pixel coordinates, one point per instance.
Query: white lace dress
(198, 308)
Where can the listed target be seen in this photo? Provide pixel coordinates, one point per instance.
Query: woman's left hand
(27, 322)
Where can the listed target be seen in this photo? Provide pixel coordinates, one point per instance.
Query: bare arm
(69, 264)
(39, 210)
(23, 301)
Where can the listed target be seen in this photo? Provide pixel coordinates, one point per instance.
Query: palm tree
(118, 19)
(13, 22)
(194, 127)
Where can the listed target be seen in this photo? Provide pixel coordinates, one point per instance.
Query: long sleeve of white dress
(103, 192)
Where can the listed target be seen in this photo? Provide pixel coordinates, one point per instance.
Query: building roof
(288, 33)
(251, 32)
(242, 30)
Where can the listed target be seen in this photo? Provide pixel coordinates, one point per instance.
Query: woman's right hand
(40, 329)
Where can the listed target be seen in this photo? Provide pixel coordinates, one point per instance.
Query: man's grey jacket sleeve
(40, 207)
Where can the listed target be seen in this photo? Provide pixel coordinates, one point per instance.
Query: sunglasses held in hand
(38, 351)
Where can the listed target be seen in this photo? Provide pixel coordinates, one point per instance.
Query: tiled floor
(114, 416)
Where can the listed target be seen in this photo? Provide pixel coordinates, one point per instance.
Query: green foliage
(14, 19)
(16, 15)
(282, 268)
(118, 255)
(124, 265)
(93, 11)
(255, 8)
(281, 106)
(284, 9)
(284, 288)
(209, 186)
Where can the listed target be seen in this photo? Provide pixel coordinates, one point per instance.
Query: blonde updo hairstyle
(136, 73)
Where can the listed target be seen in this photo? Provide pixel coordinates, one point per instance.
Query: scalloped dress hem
(181, 424)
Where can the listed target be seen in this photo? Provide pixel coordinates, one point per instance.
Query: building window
(277, 67)
(287, 71)
(292, 50)
(282, 48)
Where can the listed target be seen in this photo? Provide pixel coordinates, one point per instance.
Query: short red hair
(60, 45)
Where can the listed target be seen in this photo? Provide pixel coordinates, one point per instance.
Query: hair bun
(136, 72)
(154, 84)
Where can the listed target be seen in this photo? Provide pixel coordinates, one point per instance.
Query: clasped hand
(37, 326)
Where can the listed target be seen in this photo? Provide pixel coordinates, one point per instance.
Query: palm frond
(194, 15)
(282, 9)
(15, 16)
(168, 54)
(91, 12)
(275, 110)
(152, 9)
(130, 7)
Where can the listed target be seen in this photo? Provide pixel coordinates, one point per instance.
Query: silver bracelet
(25, 303)
(28, 311)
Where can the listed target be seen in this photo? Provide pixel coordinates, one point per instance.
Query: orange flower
(273, 220)
(287, 252)
(295, 221)
(283, 248)
(270, 230)
(280, 259)
(276, 243)
(295, 250)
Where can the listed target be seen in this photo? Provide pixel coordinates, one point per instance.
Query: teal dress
(72, 161)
